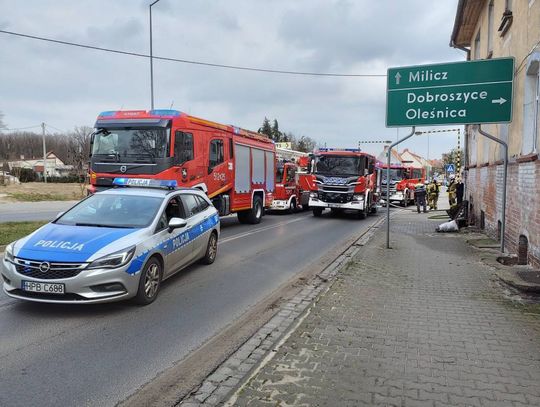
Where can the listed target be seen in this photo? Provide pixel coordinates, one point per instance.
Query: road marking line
(252, 232)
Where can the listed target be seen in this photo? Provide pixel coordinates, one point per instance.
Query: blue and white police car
(117, 244)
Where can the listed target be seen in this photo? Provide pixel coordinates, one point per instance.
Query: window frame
(180, 160)
(197, 206)
(164, 212)
(220, 151)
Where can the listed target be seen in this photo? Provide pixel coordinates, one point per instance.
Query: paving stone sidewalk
(422, 324)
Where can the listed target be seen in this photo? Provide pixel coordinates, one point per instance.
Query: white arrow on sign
(398, 77)
(500, 101)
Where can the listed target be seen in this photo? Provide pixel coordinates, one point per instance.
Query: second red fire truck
(402, 183)
(235, 167)
(292, 187)
(345, 180)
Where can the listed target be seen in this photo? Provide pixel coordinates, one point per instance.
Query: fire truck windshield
(396, 174)
(127, 143)
(339, 165)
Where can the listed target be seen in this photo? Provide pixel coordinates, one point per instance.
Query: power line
(186, 61)
(23, 128)
(56, 128)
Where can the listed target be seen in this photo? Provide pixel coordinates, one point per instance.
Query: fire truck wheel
(211, 249)
(254, 215)
(293, 208)
(317, 212)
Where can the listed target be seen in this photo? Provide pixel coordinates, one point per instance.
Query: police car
(117, 244)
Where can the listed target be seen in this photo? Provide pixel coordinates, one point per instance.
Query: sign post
(469, 92)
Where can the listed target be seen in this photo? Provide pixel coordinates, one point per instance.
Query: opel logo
(123, 168)
(45, 266)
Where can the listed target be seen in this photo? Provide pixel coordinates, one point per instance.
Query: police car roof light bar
(145, 183)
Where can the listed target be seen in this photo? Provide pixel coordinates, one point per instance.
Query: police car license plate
(47, 288)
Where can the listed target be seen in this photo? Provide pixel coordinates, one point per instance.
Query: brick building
(501, 28)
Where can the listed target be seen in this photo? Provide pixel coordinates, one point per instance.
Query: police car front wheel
(211, 249)
(150, 282)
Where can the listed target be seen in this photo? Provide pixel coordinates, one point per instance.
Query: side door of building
(175, 245)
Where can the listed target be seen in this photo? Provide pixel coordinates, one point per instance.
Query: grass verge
(36, 196)
(10, 231)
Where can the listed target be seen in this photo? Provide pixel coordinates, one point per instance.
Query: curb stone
(514, 280)
(222, 385)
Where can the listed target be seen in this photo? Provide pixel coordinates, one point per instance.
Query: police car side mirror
(177, 223)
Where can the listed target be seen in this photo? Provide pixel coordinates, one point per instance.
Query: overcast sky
(67, 86)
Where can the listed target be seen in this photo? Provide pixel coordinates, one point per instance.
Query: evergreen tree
(277, 136)
(266, 129)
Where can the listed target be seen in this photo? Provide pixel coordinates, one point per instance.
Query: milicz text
(427, 75)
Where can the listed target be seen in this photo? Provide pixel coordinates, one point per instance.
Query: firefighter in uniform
(452, 187)
(420, 197)
(433, 194)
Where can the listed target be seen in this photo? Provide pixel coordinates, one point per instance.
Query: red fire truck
(291, 191)
(402, 183)
(235, 167)
(345, 179)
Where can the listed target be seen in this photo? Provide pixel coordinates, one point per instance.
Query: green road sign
(470, 92)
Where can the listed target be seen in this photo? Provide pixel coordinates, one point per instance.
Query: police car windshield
(113, 210)
(126, 144)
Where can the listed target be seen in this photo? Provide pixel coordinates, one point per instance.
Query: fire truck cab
(291, 168)
(345, 180)
(234, 167)
(402, 183)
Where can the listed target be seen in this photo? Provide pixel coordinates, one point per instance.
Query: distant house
(54, 166)
(417, 161)
(395, 159)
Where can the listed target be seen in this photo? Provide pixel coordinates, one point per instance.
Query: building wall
(523, 204)
(484, 178)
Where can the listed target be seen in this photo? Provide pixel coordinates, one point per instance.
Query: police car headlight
(114, 260)
(8, 252)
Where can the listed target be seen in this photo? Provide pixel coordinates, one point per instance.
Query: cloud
(69, 86)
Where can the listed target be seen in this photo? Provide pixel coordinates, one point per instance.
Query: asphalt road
(28, 211)
(56, 355)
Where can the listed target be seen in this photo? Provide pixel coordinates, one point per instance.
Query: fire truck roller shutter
(270, 164)
(257, 157)
(242, 182)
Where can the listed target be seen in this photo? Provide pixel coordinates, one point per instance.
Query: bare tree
(79, 152)
(2, 124)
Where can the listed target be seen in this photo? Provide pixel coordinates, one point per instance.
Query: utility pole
(44, 153)
(151, 59)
